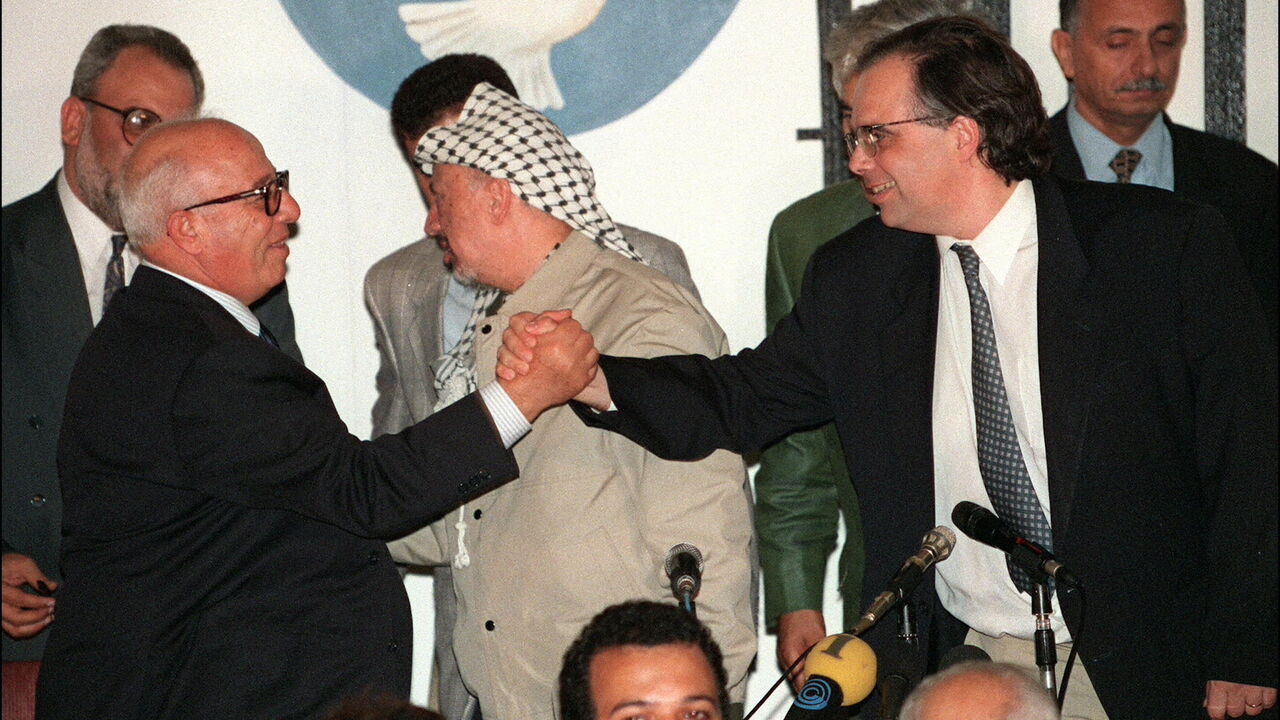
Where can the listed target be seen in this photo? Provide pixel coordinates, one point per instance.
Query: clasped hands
(548, 359)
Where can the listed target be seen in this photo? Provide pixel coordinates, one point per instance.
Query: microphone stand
(686, 602)
(1046, 648)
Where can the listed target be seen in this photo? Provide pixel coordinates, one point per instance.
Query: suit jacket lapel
(1066, 161)
(1190, 169)
(46, 265)
(907, 349)
(1066, 346)
(423, 326)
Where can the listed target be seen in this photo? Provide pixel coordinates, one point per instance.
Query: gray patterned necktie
(1004, 471)
(1124, 163)
(115, 270)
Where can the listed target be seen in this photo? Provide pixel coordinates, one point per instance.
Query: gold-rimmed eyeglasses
(868, 137)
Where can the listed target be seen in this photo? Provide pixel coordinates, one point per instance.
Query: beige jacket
(591, 518)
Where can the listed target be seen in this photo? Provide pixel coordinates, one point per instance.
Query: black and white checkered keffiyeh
(504, 138)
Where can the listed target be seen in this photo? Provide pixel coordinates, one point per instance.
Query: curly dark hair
(965, 67)
(637, 622)
(442, 85)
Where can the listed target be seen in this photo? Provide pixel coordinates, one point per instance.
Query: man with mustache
(1121, 58)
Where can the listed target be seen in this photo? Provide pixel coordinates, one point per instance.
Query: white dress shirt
(93, 245)
(974, 584)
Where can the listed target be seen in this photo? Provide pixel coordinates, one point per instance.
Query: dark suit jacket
(1216, 171)
(45, 322)
(223, 546)
(1158, 388)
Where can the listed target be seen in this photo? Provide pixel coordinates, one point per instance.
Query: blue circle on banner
(630, 51)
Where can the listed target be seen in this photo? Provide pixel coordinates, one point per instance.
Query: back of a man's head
(964, 67)
(109, 41)
(980, 690)
(638, 623)
(441, 87)
(868, 23)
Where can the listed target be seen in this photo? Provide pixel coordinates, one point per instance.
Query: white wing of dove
(519, 34)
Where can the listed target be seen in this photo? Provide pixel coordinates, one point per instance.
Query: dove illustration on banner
(585, 63)
(519, 34)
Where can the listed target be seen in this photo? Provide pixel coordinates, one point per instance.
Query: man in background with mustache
(1121, 58)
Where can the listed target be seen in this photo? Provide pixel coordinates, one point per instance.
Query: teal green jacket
(802, 484)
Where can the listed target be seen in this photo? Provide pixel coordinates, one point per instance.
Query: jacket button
(373, 557)
(488, 625)
(486, 329)
(477, 514)
(393, 646)
(35, 422)
(37, 500)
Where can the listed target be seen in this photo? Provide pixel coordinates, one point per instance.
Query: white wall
(707, 163)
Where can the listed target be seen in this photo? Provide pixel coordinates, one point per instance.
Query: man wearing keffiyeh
(590, 520)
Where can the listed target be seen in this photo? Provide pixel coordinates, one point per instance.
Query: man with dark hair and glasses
(65, 256)
(224, 533)
(1086, 359)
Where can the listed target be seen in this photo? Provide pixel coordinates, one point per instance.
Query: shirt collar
(87, 229)
(238, 310)
(1096, 150)
(1012, 228)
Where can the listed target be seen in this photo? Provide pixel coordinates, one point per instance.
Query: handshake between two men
(548, 356)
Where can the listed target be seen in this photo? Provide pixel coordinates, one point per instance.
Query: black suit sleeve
(253, 430)
(684, 407)
(1234, 365)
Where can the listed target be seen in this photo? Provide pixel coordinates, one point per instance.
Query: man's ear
(967, 134)
(183, 228)
(73, 117)
(1060, 41)
(499, 198)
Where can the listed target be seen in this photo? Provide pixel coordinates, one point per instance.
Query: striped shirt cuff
(510, 422)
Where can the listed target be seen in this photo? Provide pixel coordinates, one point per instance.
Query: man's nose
(290, 210)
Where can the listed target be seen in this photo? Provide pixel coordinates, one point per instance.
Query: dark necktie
(1004, 471)
(1124, 163)
(266, 335)
(115, 270)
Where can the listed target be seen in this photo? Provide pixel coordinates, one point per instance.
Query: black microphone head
(673, 556)
(983, 525)
(963, 653)
(965, 513)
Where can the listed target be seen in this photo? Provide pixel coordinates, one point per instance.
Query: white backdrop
(707, 163)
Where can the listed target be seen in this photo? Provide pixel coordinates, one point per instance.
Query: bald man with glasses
(65, 258)
(224, 535)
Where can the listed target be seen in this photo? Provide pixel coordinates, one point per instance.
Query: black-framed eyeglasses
(134, 121)
(271, 193)
(868, 136)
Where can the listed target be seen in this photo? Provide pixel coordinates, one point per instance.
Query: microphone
(987, 528)
(934, 548)
(684, 570)
(842, 671)
(901, 669)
